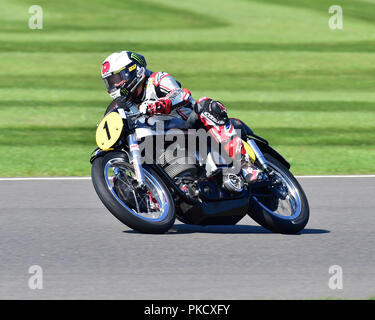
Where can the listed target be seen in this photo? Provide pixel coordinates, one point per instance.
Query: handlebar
(130, 113)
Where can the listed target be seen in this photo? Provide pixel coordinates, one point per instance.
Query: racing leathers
(162, 94)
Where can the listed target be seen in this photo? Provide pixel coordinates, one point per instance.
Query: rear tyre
(287, 216)
(150, 210)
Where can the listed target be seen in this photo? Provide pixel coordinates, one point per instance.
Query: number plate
(109, 130)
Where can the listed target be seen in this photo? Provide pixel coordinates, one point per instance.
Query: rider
(127, 80)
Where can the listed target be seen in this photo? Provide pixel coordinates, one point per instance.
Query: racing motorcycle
(147, 193)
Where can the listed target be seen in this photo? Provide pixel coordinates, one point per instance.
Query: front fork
(259, 155)
(281, 193)
(135, 159)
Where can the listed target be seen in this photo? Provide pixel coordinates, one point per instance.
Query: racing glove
(163, 105)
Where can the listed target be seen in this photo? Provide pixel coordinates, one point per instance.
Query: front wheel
(149, 209)
(281, 208)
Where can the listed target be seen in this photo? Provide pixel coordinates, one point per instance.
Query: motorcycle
(147, 193)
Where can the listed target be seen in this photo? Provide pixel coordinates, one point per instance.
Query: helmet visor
(118, 80)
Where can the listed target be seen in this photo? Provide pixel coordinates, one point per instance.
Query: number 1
(107, 130)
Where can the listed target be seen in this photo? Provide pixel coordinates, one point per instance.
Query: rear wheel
(149, 209)
(282, 207)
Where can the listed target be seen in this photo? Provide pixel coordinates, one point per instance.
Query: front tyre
(286, 214)
(147, 210)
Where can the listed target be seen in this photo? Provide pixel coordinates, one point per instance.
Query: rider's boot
(251, 173)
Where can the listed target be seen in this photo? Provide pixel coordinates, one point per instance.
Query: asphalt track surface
(85, 253)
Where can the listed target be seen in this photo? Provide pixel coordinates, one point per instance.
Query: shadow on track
(236, 229)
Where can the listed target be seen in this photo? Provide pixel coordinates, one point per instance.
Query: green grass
(275, 64)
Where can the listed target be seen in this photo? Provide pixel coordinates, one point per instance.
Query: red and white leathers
(161, 86)
(214, 117)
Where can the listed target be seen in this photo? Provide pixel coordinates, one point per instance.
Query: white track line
(89, 178)
(44, 178)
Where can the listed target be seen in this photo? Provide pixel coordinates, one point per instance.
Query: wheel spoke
(136, 201)
(140, 205)
(288, 207)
